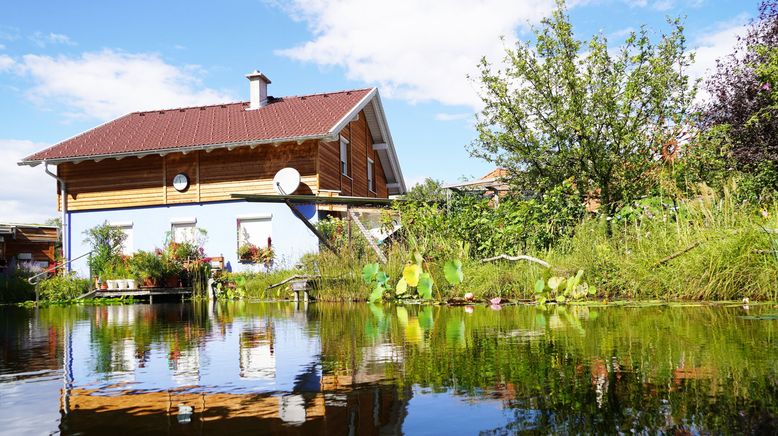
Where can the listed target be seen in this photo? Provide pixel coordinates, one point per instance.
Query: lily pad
(411, 274)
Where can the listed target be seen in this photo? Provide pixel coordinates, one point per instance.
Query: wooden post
(348, 218)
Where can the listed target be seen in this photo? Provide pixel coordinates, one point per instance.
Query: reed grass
(711, 248)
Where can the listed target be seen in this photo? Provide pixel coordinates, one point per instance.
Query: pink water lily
(496, 300)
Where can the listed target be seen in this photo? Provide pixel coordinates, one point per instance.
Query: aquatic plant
(560, 289)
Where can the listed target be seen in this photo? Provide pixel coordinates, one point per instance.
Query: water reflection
(368, 369)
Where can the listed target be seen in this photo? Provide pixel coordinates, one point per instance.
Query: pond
(293, 368)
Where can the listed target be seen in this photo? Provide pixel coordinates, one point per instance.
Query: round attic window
(180, 182)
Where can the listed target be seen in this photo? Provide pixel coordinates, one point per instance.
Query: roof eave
(169, 150)
(374, 98)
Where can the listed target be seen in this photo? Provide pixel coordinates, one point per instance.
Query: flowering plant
(250, 253)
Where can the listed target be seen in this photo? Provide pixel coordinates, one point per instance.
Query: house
(176, 170)
(27, 246)
(494, 184)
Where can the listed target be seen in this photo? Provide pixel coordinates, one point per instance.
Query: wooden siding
(212, 176)
(40, 242)
(361, 143)
(112, 184)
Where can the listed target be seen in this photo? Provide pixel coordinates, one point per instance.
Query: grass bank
(707, 248)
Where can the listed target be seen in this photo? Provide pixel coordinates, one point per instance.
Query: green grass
(730, 256)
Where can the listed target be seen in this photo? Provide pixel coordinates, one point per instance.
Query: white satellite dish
(286, 181)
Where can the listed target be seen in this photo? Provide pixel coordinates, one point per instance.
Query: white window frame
(128, 245)
(189, 222)
(370, 175)
(261, 217)
(344, 156)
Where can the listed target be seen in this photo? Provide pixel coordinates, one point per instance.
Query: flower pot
(103, 286)
(121, 284)
(171, 282)
(131, 284)
(111, 285)
(149, 282)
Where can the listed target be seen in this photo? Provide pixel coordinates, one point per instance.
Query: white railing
(36, 278)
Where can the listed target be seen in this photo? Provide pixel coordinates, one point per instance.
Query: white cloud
(108, 83)
(417, 51)
(443, 116)
(6, 62)
(28, 195)
(43, 39)
(715, 44)
(659, 5)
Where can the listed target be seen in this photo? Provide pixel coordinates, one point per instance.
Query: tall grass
(708, 248)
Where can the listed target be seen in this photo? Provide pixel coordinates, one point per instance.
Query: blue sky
(68, 66)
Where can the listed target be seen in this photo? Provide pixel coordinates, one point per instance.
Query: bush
(63, 287)
(15, 289)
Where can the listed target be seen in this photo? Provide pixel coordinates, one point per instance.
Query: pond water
(295, 368)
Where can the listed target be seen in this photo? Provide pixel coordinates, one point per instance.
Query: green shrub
(63, 287)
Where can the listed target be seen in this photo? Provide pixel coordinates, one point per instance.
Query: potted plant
(171, 272)
(248, 252)
(147, 268)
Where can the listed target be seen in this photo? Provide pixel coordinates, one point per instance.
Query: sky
(66, 67)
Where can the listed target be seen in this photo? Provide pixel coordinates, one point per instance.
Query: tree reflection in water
(367, 369)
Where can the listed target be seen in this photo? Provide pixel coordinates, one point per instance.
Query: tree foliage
(428, 190)
(562, 109)
(742, 114)
(105, 242)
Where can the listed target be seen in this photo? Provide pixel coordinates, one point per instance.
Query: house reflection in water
(257, 359)
(260, 374)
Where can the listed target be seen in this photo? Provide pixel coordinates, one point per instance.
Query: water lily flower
(496, 300)
(469, 296)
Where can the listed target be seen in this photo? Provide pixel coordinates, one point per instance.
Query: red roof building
(338, 144)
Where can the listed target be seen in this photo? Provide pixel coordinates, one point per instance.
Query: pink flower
(496, 300)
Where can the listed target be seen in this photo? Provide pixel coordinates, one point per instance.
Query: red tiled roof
(283, 118)
(497, 173)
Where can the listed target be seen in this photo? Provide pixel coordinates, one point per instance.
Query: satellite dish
(286, 181)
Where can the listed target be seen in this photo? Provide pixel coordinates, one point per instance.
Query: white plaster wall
(291, 238)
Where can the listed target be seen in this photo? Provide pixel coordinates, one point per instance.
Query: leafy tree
(106, 244)
(742, 114)
(562, 109)
(428, 190)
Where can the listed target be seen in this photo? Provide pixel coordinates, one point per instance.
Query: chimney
(257, 89)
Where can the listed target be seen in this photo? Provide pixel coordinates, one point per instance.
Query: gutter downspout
(65, 225)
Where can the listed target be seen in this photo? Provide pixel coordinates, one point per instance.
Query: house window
(344, 156)
(128, 243)
(183, 229)
(370, 184)
(255, 230)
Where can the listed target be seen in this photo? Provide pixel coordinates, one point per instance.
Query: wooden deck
(149, 293)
